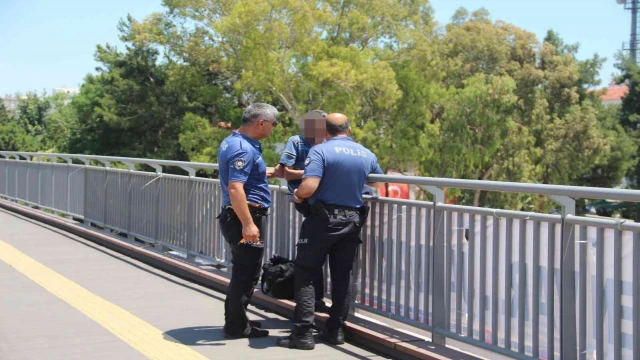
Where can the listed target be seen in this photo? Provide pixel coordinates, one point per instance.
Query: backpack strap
(265, 269)
(262, 286)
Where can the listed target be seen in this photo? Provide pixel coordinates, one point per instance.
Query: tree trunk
(476, 197)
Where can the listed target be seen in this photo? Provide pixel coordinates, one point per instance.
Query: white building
(65, 90)
(11, 103)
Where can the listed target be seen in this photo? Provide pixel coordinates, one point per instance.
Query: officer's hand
(296, 199)
(277, 172)
(251, 233)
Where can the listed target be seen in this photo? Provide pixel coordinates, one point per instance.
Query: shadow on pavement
(213, 335)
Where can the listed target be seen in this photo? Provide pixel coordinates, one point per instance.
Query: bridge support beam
(568, 321)
(439, 308)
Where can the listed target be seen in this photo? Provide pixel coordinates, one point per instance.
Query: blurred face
(314, 130)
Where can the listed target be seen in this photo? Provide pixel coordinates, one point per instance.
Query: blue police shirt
(240, 160)
(295, 153)
(343, 166)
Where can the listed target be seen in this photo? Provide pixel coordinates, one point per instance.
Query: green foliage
(13, 137)
(473, 99)
(128, 109)
(630, 110)
(199, 140)
(31, 113)
(41, 123)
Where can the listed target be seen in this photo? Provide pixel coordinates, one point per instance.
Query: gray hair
(258, 111)
(315, 114)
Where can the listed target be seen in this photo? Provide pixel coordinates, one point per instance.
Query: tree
(619, 159)
(199, 140)
(630, 108)
(13, 137)
(31, 113)
(59, 124)
(128, 109)
(477, 99)
(303, 54)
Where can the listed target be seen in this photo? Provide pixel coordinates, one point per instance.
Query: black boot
(334, 337)
(254, 323)
(303, 342)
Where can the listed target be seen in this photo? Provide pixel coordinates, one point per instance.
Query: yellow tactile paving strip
(142, 336)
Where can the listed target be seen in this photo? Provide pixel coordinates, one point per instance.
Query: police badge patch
(307, 161)
(239, 164)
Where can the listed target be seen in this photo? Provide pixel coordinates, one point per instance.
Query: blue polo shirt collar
(305, 142)
(251, 141)
(348, 138)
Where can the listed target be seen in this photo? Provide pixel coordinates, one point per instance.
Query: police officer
(246, 201)
(334, 178)
(292, 162)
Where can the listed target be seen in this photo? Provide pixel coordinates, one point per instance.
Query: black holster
(325, 210)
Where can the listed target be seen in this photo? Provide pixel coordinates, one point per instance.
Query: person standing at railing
(292, 161)
(335, 174)
(246, 201)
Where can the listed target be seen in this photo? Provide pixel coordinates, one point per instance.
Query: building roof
(224, 125)
(614, 92)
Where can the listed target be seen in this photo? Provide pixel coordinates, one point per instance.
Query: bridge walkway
(63, 297)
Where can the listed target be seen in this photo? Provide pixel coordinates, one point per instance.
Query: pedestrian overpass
(133, 246)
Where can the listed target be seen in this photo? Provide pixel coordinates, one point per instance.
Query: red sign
(396, 191)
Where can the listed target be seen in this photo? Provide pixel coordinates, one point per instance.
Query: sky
(50, 43)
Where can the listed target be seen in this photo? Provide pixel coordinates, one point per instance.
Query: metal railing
(526, 285)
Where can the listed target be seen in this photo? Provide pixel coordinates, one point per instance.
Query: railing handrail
(482, 185)
(503, 186)
(426, 239)
(141, 161)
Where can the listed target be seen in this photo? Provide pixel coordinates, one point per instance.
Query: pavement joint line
(140, 335)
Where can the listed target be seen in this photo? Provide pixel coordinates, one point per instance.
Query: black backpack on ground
(277, 277)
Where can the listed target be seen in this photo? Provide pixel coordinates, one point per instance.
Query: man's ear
(349, 131)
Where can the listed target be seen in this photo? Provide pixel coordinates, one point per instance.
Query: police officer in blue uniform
(335, 174)
(246, 200)
(292, 161)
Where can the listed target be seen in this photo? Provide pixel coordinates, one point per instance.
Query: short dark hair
(337, 129)
(258, 111)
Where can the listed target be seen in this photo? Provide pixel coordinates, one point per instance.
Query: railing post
(282, 241)
(68, 160)
(87, 163)
(6, 178)
(105, 207)
(39, 181)
(191, 218)
(156, 215)
(26, 193)
(53, 160)
(15, 175)
(439, 307)
(129, 198)
(568, 321)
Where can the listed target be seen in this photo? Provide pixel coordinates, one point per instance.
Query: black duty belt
(337, 210)
(253, 209)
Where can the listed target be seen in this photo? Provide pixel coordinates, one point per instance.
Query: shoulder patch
(239, 163)
(224, 146)
(307, 161)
